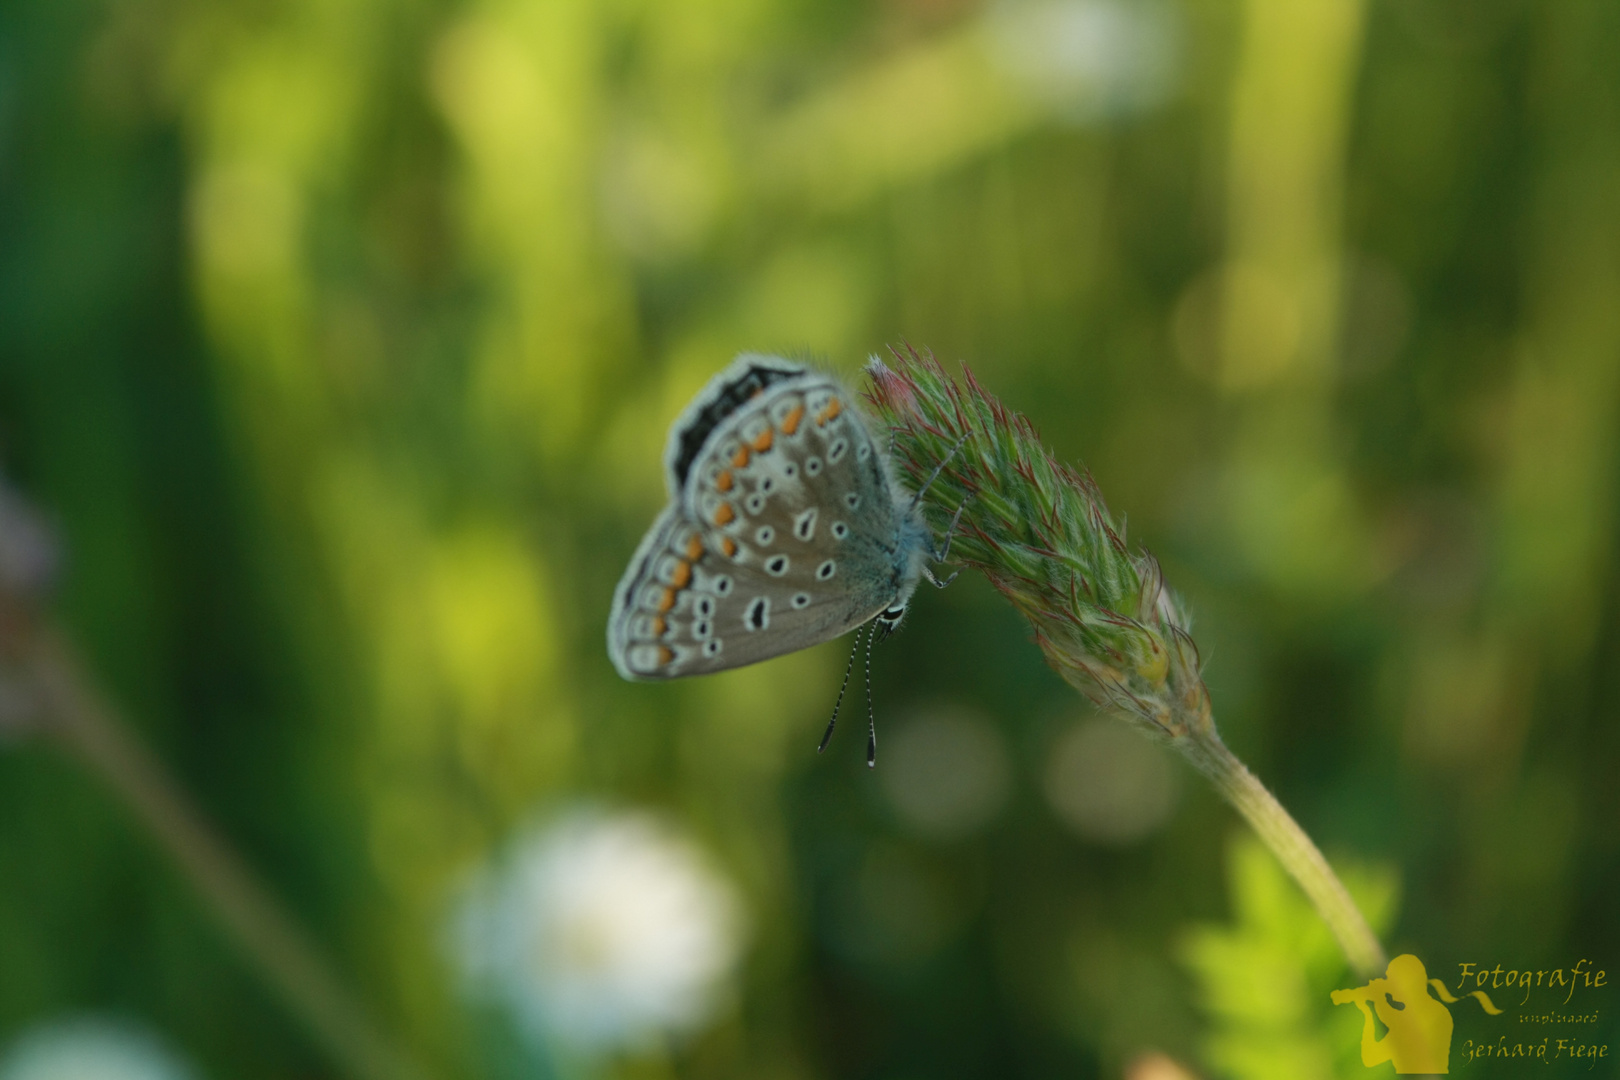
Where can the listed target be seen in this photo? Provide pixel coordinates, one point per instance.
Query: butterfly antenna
(916, 499)
(871, 717)
(850, 667)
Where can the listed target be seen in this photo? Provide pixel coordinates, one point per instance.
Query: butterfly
(786, 527)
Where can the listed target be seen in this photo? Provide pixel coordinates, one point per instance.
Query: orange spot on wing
(790, 423)
(665, 654)
(724, 514)
(723, 481)
(763, 443)
(728, 545)
(740, 458)
(683, 575)
(659, 626)
(834, 407)
(694, 548)
(667, 600)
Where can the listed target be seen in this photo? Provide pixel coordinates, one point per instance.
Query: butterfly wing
(784, 536)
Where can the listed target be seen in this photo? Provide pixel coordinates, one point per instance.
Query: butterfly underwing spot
(862, 453)
(704, 607)
(853, 501)
(756, 434)
(812, 466)
(839, 530)
(826, 570)
(759, 613)
(712, 648)
(675, 571)
(700, 630)
(788, 414)
(649, 658)
(801, 600)
(776, 565)
(722, 586)
(790, 470)
(836, 451)
(804, 526)
(755, 504)
(764, 536)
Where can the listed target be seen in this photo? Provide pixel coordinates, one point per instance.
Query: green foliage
(1263, 979)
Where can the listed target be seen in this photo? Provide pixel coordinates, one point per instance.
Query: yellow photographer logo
(1418, 1039)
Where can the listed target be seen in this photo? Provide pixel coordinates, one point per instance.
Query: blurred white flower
(1108, 783)
(946, 772)
(600, 931)
(1089, 58)
(90, 1048)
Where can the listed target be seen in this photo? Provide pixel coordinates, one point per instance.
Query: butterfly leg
(944, 551)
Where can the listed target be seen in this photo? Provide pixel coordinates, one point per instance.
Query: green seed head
(1040, 532)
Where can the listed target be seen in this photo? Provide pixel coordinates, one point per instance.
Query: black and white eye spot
(776, 565)
(764, 536)
(767, 485)
(804, 526)
(705, 607)
(852, 500)
(862, 453)
(812, 466)
(826, 570)
(722, 586)
(755, 503)
(801, 600)
(701, 630)
(758, 616)
(712, 648)
(790, 470)
(840, 530)
(836, 450)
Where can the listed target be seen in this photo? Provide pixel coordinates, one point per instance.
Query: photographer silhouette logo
(1418, 1039)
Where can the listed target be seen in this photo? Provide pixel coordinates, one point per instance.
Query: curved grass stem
(70, 710)
(1291, 845)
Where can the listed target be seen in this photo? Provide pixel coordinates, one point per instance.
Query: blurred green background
(339, 339)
